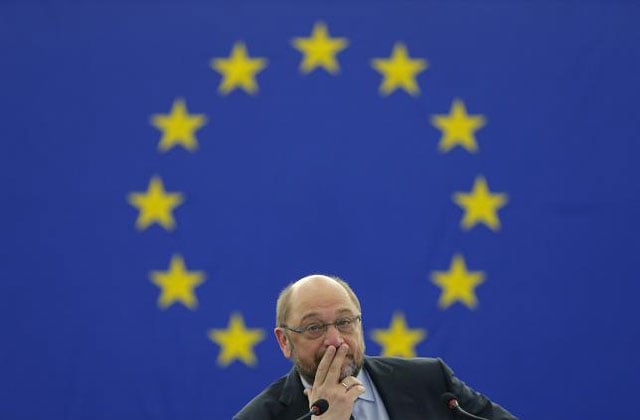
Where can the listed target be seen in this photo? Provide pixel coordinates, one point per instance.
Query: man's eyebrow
(345, 311)
(317, 315)
(310, 315)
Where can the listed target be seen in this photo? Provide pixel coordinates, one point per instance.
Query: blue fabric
(322, 171)
(369, 405)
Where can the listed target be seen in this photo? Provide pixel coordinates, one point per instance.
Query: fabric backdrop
(167, 167)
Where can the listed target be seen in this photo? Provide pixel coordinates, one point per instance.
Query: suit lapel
(292, 396)
(395, 392)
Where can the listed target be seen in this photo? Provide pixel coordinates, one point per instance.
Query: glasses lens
(315, 331)
(344, 325)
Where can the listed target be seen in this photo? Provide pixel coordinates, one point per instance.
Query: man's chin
(351, 369)
(347, 371)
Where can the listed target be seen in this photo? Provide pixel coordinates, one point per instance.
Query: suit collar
(292, 394)
(393, 390)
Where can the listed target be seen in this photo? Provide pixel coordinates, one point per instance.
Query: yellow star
(398, 340)
(178, 127)
(458, 128)
(320, 50)
(177, 284)
(480, 205)
(457, 284)
(399, 70)
(236, 342)
(155, 205)
(239, 70)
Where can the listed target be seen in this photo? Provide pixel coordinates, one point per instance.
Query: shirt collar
(368, 395)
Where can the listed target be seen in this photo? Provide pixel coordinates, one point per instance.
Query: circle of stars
(239, 71)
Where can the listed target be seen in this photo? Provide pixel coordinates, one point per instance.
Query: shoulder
(419, 371)
(264, 405)
(429, 364)
(431, 377)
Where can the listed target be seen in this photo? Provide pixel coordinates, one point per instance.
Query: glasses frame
(324, 327)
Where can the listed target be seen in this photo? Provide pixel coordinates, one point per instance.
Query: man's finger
(349, 382)
(323, 366)
(356, 390)
(336, 365)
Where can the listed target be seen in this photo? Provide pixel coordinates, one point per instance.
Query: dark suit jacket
(410, 388)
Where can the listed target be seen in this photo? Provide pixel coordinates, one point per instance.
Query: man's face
(321, 301)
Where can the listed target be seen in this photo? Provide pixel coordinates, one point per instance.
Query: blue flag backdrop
(168, 167)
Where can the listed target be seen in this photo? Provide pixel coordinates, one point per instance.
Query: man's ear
(283, 341)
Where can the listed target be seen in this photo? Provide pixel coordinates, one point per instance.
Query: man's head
(319, 300)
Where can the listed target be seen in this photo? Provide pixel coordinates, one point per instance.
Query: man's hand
(340, 395)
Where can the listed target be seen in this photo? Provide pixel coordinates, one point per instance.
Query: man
(318, 327)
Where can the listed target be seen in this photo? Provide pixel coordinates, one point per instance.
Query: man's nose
(333, 337)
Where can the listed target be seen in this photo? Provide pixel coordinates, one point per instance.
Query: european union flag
(470, 168)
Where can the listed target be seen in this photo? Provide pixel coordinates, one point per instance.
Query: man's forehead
(319, 295)
(318, 288)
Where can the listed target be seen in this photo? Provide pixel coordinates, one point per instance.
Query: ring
(344, 384)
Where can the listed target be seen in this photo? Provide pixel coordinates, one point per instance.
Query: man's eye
(343, 322)
(314, 328)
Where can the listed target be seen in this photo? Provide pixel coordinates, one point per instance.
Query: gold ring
(344, 384)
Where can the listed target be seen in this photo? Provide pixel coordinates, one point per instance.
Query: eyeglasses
(317, 329)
